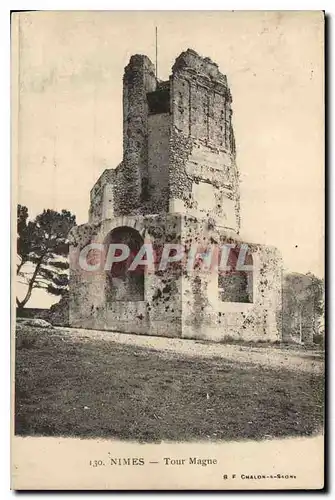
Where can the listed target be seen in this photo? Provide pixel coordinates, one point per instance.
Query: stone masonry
(178, 183)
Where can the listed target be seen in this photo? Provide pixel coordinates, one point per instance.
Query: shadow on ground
(97, 388)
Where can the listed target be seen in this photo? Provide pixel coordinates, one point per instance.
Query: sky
(68, 89)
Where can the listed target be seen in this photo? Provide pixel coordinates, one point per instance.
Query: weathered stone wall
(179, 148)
(178, 302)
(139, 79)
(102, 197)
(122, 190)
(261, 319)
(178, 183)
(156, 196)
(205, 316)
(203, 173)
(160, 311)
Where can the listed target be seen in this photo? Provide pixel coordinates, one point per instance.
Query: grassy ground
(98, 388)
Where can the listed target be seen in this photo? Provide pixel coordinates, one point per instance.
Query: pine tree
(42, 249)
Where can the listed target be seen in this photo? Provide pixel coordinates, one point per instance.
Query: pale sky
(70, 111)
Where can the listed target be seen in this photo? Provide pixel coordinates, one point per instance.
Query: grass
(97, 388)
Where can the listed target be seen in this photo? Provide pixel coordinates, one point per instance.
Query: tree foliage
(42, 249)
(303, 302)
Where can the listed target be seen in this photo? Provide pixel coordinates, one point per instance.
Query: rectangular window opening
(236, 287)
(159, 101)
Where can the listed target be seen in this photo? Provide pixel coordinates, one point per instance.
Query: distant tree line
(303, 308)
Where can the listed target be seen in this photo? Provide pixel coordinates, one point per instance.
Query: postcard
(168, 251)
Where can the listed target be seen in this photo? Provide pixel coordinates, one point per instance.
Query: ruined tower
(178, 145)
(178, 182)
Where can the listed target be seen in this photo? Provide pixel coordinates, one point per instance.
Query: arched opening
(236, 285)
(122, 284)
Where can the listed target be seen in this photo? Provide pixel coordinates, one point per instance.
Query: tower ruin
(178, 183)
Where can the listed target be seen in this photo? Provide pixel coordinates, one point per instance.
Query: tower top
(178, 142)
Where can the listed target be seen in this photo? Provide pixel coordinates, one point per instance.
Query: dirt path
(267, 356)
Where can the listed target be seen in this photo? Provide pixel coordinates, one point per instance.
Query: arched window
(236, 285)
(122, 284)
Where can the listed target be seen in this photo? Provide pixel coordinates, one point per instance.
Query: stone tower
(178, 145)
(178, 182)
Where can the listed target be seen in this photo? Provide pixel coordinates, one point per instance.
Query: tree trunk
(18, 269)
(23, 302)
(19, 304)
